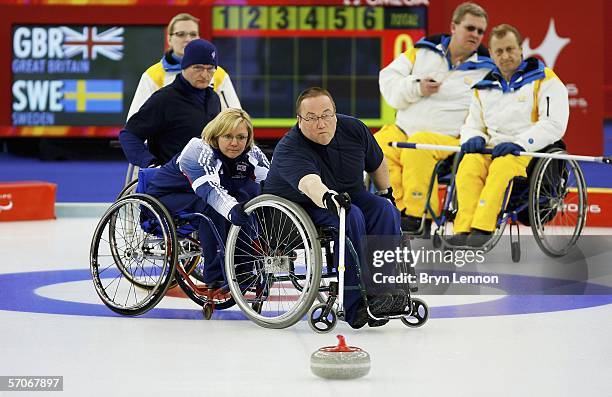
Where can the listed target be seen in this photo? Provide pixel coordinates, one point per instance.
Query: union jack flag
(89, 43)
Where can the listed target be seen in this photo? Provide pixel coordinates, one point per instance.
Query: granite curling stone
(340, 362)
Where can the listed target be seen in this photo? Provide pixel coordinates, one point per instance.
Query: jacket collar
(531, 69)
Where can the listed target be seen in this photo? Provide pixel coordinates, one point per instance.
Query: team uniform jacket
(445, 111)
(167, 121)
(214, 177)
(163, 73)
(340, 164)
(530, 110)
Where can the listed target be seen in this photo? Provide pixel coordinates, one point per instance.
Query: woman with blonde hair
(214, 175)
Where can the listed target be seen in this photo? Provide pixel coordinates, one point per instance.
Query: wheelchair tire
(319, 323)
(130, 188)
(419, 313)
(557, 204)
(124, 256)
(515, 251)
(278, 249)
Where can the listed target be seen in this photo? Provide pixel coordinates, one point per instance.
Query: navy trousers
(369, 215)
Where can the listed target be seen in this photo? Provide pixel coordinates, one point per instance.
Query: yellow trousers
(481, 183)
(410, 170)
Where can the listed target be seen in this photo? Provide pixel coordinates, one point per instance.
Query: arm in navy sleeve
(373, 153)
(143, 125)
(293, 164)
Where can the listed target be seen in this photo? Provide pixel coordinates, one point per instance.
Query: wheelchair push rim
(273, 264)
(557, 205)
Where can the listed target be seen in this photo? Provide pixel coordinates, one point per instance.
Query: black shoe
(214, 284)
(457, 240)
(412, 224)
(478, 238)
(378, 304)
(401, 300)
(377, 323)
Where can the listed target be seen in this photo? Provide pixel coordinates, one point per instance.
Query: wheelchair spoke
(262, 264)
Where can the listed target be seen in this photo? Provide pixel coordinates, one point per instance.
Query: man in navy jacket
(176, 113)
(323, 156)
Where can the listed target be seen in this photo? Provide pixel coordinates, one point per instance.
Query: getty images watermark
(393, 266)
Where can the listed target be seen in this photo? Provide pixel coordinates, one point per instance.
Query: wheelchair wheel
(124, 221)
(274, 262)
(319, 322)
(418, 315)
(132, 255)
(515, 251)
(557, 204)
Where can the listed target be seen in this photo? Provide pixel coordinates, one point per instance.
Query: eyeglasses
(238, 138)
(471, 28)
(182, 34)
(200, 68)
(325, 117)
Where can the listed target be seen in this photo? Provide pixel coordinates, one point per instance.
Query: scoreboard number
(305, 18)
(283, 18)
(403, 42)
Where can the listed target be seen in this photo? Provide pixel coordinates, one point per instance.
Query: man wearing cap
(175, 113)
(182, 29)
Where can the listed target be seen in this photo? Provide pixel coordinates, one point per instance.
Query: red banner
(555, 33)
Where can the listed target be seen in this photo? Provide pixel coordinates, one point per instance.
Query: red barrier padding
(599, 205)
(28, 200)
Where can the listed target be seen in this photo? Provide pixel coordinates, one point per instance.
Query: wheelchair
(552, 200)
(279, 265)
(273, 265)
(139, 251)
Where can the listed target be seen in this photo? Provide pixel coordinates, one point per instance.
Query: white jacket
(531, 111)
(445, 111)
(155, 77)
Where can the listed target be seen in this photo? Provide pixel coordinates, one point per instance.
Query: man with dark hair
(430, 86)
(176, 113)
(519, 106)
(319, 160)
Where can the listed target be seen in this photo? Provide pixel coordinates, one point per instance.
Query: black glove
(473, 145)
(505, 148)
(237, 216)
(388, 194)
(334, 201)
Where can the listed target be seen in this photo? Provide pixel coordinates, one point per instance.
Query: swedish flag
(93, 96)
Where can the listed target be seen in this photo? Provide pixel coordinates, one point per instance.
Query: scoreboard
(77, 75)
(275, 51)
(73, 79)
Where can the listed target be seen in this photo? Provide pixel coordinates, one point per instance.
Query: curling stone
(340, 362)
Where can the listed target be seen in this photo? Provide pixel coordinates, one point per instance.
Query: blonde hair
(468, 8)
(227, 120)
(182, 17)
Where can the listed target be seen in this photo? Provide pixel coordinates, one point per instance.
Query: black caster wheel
(319, 323)
(418, 314)
(257, 306)
(437, 240)
(515, 249)
(207, 310)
